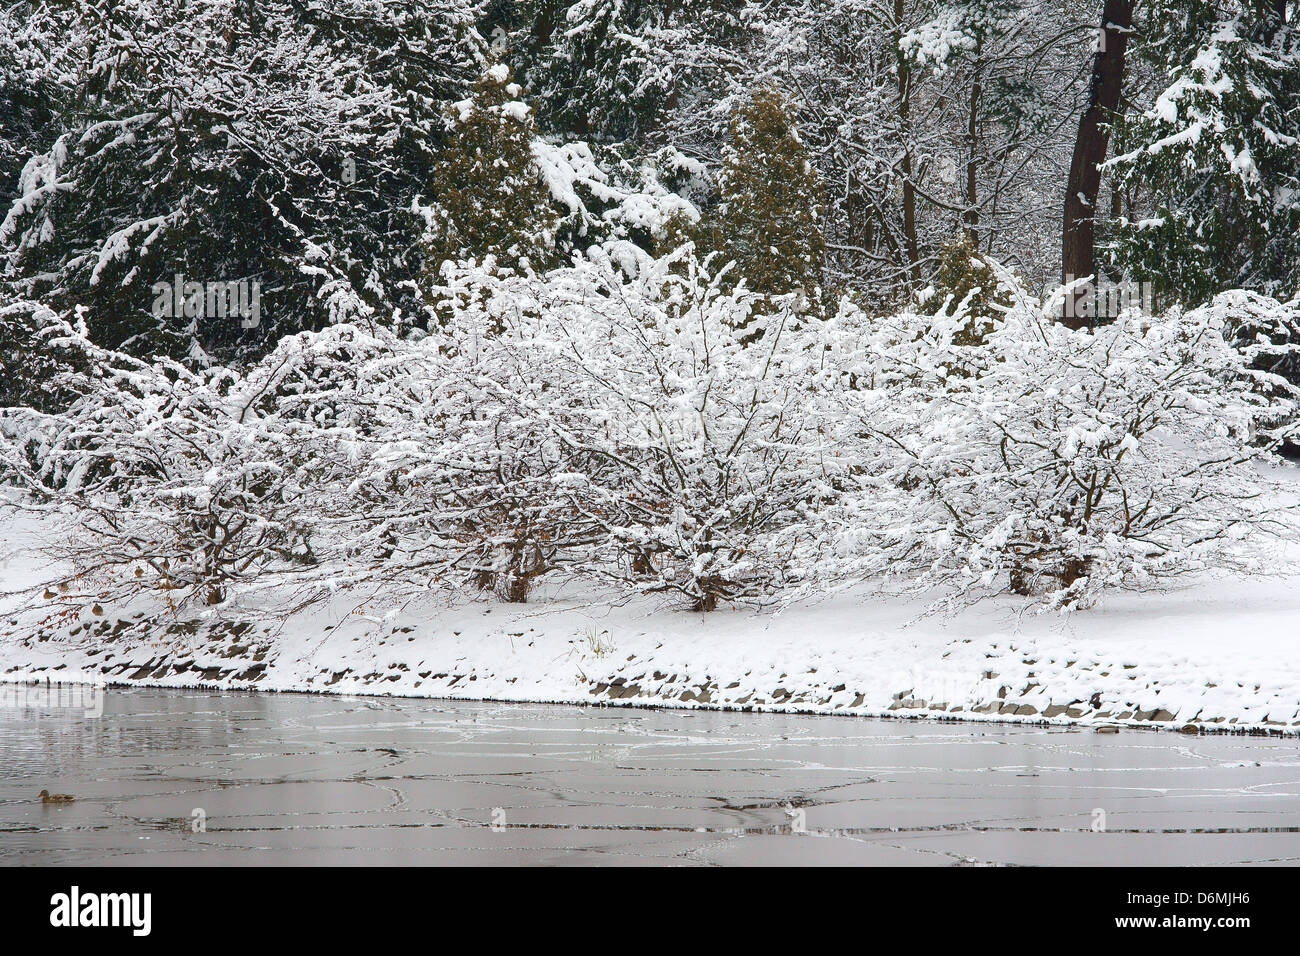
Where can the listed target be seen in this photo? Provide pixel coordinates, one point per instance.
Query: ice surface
(299, 779)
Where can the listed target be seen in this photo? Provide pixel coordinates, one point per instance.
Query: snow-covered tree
(1215, 158)
(885, 95)
(613, 71)
(602, 72)
(489, 194)
(768, 220)
(977, 52)
(273, 143)
(30, 370)
(1267, 334)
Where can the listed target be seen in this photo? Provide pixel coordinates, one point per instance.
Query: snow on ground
(1221, 654)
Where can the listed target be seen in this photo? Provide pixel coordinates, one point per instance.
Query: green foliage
(1217, 155)
(965, 278)
(603, 77)
(490, 198)
(33, 374)
(608, 70)
(26, 111)
(769, 216)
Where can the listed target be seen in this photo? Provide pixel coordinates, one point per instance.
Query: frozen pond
(191, 777)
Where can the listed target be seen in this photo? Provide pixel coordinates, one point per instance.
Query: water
(296, 779)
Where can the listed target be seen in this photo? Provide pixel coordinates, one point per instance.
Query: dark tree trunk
(971, 218)
(909, 189)
(1079, 228)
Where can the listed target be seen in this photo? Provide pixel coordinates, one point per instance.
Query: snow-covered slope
(1221, 654)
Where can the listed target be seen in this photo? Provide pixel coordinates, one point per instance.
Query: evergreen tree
(769, 217)
(1219, 151)
(26, 112)
(273, 144)
(32, 372)
(490, 197)
(965, 277)
(605, 79)
(606, 70)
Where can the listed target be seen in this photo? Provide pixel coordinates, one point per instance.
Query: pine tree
(1219, 151)
(604, 80)
(275, 144)
(769, 218)
(32, 373)
(606, 70)
(490, 197)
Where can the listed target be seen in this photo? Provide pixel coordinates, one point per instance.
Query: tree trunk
(909, 190)
(1079, 227)
(971, 218)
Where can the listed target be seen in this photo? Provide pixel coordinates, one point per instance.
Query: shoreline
(923, 716)
(1220, 662)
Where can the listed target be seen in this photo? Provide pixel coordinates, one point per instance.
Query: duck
(47, 797)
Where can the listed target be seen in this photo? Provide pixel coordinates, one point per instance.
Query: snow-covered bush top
(653, 424)
(1060, 463)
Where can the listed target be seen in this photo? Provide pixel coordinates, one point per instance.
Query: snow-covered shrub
(1059, 463)
(618, 419)
(462, 470)
(1267, 333)
(696, 462)
(191, 481)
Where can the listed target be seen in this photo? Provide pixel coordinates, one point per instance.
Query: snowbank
(1222, 654)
